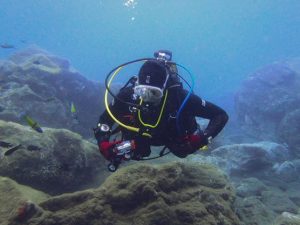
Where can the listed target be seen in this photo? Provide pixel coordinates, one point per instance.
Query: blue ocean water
(221, 42)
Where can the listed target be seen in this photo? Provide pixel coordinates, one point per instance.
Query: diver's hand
(197, 141)
(188, 144)
(106, 149)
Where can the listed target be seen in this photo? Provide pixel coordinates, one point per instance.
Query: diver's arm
(217, 116)
(116, 108)
(103, 131)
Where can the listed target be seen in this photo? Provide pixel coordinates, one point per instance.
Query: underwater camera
(163, 55)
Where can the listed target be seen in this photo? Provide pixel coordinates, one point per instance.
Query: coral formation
(172, 194)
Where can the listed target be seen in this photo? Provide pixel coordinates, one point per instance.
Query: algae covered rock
(250, 187)
(278, 202)
(44, 86)
(264, 205)
(253, 212)
(293, 192)
(169, 194)
(14, 196)
(54, 161)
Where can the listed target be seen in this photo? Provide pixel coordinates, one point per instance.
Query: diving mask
(149, 93)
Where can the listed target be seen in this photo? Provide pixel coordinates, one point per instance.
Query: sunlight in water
(130, 3)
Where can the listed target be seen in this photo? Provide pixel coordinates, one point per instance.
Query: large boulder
(55, 161)
(268, 103)
(246, 160)
(44, 86)
(171, 194)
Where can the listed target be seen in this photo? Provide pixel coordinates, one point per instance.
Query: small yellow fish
(33, 124)
(74, 112)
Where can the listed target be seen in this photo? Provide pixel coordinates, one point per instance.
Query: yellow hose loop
(159, 117)
(135, 129)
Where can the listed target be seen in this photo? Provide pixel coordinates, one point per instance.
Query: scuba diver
(154, 109)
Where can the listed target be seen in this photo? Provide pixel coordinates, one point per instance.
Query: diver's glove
(188, 144)
(116, 152)
(197, 141)
(123, 149)
(107, 149)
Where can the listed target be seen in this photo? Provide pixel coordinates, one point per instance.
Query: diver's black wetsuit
(166, 132)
